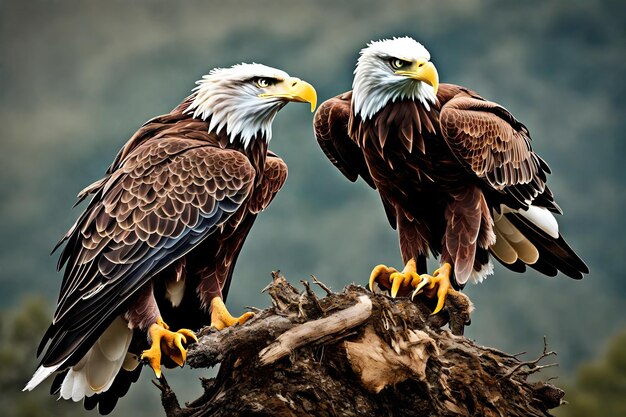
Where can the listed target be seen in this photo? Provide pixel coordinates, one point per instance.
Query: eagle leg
(167, 342)
(436, 285)
(221, 318)
(395, 281)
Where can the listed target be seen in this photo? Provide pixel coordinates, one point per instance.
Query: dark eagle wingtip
(584, 269)
(57, 246)
(44, 341)
(553, 252)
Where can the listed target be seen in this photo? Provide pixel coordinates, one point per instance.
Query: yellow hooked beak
(422, 70)
(292, 89)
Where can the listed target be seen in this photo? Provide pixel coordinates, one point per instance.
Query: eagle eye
(397, 63)
(263, 82)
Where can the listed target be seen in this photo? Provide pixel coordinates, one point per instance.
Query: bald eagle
(456, 173)
(159, 240)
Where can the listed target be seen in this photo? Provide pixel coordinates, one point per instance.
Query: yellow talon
(436, 285)
(393, 280)
(403, 280)
(396, 280)
(164, 341)
(418, 289)
(381, 274)
(441, 280)
(221, 318)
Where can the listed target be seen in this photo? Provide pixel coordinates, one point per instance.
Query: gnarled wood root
(358, 353)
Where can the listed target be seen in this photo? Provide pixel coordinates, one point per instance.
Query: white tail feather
(543, 219)
(131, 362)
(68, 385)
(95, 372)
(40, 375)
(526, 251)
(511, 244)
(502, 249)
(507, 229)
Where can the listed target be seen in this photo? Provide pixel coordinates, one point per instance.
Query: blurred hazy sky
(77, 78)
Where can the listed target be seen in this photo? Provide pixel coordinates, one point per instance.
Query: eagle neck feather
(254, 147)
(374, 90)
(242, 120)
(407, 120)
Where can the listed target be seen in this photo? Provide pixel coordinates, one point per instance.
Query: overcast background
(77, 78)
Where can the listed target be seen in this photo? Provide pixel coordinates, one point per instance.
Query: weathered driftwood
(357, 353)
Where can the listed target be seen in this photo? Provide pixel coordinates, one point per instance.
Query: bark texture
(357, 353)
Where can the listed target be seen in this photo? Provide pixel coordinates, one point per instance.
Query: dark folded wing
(274, 177)
(166, 197)
(331, 130)
(493, 145)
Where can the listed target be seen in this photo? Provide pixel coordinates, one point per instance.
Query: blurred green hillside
(599, 388)
(77, 78)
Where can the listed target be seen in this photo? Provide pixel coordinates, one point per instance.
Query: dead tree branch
(358, 353)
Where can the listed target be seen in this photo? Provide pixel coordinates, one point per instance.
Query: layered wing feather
(489, 142)
(166, 196)
(274, 177)
(492, 144)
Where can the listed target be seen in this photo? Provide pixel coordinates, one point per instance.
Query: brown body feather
(443, 172)
(175, 207)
